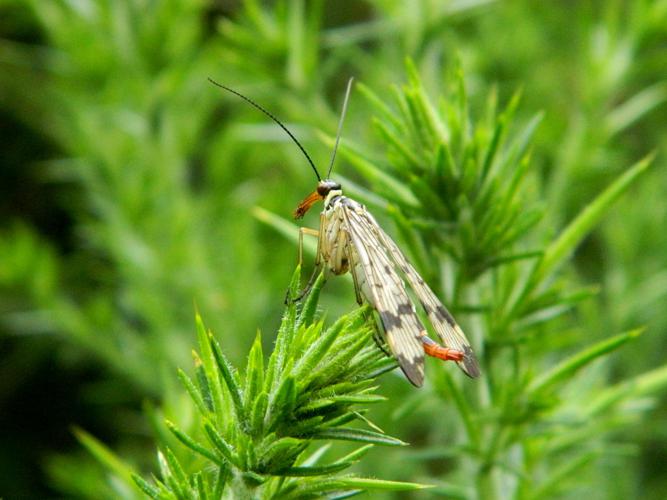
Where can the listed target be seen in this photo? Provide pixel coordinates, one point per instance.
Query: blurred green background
(129, 187)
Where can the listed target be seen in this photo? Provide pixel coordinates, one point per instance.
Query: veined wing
(448, 330)
(387, 292)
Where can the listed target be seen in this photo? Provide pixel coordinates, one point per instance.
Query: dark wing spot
(443, 315)
(387, 269)
(427, 309)
(470, 363)
(390, 320)
(413, 369)
(406, 309)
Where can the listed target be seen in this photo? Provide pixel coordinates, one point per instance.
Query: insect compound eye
(324, 187)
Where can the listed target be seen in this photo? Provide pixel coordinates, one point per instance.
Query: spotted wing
(385, 290)
(448, 330)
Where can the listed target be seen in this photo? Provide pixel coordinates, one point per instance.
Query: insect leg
(381, 343)
(318, 261)
(310, 232)
(377, 336)
(309, 285)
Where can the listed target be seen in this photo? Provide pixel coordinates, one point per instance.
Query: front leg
(310, 232)
(306, 289)
(318, 261)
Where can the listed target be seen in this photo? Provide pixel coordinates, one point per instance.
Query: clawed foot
(289, 300)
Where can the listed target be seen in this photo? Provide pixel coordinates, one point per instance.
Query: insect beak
(305, 205)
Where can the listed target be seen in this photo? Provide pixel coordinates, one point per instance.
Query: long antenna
(253, 103)
(340, 125)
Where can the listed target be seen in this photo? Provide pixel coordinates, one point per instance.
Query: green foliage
(460, 172)
(128, 190)
(257, 432)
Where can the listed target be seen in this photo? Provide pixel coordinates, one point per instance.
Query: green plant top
(258, 431)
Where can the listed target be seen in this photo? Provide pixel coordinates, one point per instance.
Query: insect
(350, 239)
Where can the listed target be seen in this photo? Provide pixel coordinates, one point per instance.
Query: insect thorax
(333, 197)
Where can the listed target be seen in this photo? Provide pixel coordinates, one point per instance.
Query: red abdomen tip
(444, 353)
